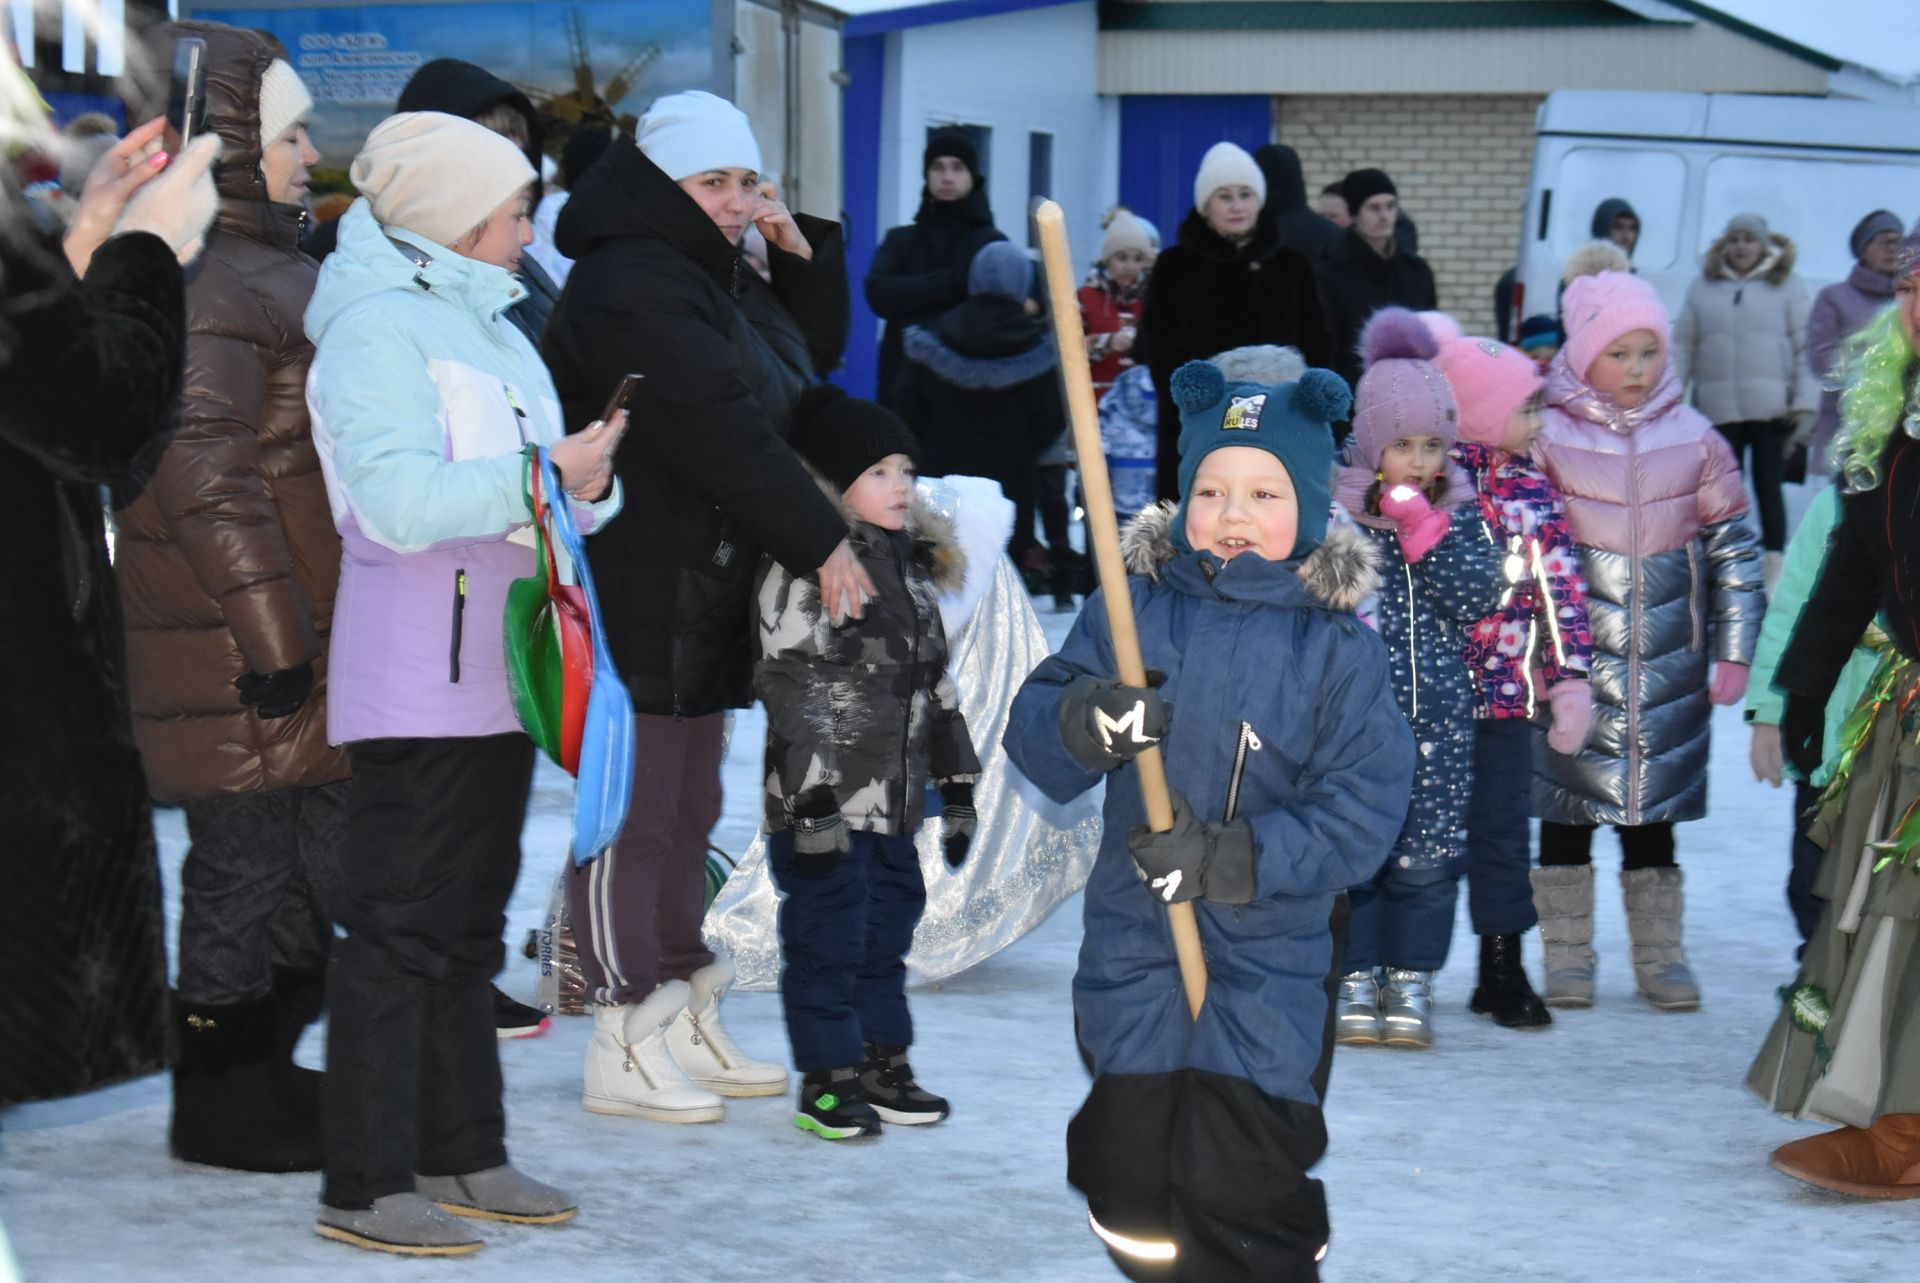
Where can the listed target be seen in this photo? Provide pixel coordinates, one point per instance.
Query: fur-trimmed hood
(1341, 573)
(1774, 267)
(935, 541)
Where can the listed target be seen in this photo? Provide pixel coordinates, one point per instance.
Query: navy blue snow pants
(844, 938)
(1499, 844)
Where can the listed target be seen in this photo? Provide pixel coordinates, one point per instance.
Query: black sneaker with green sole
(887, 1080)
(833, 1107)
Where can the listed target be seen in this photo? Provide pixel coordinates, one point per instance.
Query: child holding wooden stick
(1290, 776)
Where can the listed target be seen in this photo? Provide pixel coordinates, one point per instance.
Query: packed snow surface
(1617, 1146)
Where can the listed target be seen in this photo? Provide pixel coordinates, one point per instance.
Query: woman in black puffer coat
(659, 288)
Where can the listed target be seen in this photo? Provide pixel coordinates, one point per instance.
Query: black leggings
(1642, 846)
(1767, 440)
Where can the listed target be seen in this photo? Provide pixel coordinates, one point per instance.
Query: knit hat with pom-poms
(1402, 393)
(1291, 421)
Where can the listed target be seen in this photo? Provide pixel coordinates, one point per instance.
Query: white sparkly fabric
(1029, 853)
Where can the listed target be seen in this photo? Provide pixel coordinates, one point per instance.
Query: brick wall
(1461, 163)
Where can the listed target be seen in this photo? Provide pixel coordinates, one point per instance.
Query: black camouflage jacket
(867, 709)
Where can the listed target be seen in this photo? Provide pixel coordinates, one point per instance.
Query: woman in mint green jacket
(424, 397)
(1765, 705)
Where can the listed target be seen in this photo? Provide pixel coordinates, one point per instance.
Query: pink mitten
(1572, 702)
(1420, 526)
(1729, 684)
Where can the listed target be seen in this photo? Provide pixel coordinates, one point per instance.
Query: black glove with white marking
(1105, 724)
(1194, 859)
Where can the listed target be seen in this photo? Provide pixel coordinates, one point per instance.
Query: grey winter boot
(405, 1224)
(1357, 1020)
(1563, 896)
(1654, 906)
(502, 1193)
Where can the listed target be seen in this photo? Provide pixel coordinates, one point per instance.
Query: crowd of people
(1401, 589)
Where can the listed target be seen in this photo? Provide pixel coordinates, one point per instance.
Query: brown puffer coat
(228, 559)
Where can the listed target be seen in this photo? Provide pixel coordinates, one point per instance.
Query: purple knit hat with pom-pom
(1402, 393)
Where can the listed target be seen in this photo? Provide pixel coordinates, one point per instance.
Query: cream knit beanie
(436, 175)
(1124, 231)
(1227, 165)
(284, 101)
(693, 132)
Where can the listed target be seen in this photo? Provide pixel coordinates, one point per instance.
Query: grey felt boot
(501, 1193)
(1654, 907)
(1563, 896)
(405, 1224)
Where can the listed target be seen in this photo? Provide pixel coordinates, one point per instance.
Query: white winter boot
(703, 1049)
(631, 1072)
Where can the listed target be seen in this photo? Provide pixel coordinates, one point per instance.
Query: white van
(1813, 167)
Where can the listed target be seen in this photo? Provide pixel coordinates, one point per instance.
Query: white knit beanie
(693, 132)
(1227, 165)
(284, 101)
(436, 175)
(1124, 231)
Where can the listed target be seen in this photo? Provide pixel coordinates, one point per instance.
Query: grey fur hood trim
(1775, 265)
(930, 530)
(1343, 571)
(977, 373)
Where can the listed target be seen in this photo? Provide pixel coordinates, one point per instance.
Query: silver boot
(1563, 896)
(1357, 1014)
(1406, 1008)
(1660, 969)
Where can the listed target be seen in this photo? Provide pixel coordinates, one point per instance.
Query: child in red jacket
(1110, 300)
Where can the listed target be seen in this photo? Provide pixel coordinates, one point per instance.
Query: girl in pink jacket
(1654, 499)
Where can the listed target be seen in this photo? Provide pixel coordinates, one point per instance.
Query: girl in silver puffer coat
(1654, 499)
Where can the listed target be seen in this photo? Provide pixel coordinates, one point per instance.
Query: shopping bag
(605, 756)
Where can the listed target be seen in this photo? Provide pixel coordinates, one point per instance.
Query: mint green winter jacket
(1805, 552)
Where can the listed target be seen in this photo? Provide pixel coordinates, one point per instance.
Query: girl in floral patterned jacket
(1527, 659)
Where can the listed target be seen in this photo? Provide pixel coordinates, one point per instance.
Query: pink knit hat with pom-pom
(1402, 393)
(1599, 309)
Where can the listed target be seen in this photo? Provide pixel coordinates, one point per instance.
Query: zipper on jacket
(1413, 646)
(459, 619)
(1633, 633)
(1249, 743)
(1693, 595)
(520, 414)
(1547, 606)
(913, 669)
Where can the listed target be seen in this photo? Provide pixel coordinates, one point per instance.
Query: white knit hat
(1124, 231)
(284, 101)
(693, 132)
(1227, 165)
(436, 175)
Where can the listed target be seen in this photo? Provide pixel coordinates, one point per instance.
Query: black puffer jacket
(1356, 283)
(920, 271)
(710, 480)
(1207, 295)
(981, 389)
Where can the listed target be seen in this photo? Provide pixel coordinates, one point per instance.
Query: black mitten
(820, 833)
(278, 694)
(1105, 724)
(957, 821)
(1195, 859)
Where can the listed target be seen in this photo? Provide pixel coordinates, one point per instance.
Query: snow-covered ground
(1617, 1146)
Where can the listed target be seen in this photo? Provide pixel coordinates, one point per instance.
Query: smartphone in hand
(622, 398)
(186, 94)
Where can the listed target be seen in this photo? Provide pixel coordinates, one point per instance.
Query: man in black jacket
(1369, 269)
(920, 270)
(1301, 228)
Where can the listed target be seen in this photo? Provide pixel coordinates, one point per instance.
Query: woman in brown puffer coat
(227, 563)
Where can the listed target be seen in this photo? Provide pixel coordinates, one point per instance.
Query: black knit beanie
(952, 142)
(843, 436)
(1362, 185)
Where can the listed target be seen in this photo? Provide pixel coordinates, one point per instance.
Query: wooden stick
(1096, 490)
